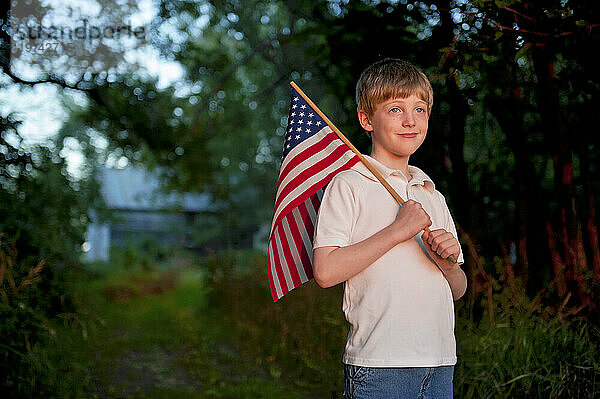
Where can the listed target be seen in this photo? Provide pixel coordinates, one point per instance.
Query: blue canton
(303, 122)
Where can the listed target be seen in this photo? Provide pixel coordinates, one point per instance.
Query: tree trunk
(562, 157)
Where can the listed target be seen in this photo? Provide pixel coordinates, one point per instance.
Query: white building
(140, 211)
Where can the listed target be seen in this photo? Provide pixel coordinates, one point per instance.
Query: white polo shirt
(400, 309)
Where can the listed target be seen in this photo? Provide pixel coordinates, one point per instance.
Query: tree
(511, 78)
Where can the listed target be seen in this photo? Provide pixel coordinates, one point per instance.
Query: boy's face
(398, 127)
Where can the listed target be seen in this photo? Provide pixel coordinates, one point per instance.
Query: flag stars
(303, 122)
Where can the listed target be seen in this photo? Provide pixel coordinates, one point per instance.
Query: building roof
(138, 189)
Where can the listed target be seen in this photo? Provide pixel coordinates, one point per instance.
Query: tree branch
(48, 79)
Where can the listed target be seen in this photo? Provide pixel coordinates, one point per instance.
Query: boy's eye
(395, 110)
(420, 110)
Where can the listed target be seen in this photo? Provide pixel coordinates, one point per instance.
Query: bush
(526, 351)
(43, 217)
(23, 329)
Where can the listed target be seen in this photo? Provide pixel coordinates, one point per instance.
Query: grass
(209, 329)
(527, 355)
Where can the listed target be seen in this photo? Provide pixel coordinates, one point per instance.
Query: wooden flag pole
(362, 158)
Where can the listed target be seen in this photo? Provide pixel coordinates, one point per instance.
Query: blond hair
(391, 78)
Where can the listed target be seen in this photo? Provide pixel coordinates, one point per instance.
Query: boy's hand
(442, 245)
(410, 220)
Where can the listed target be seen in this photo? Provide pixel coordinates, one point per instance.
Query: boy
(399, 283)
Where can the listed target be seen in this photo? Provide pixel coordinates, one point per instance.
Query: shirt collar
(417, 176)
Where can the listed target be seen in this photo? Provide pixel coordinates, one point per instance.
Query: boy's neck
(393, 162)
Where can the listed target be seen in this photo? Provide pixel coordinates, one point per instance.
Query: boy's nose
(409, 121)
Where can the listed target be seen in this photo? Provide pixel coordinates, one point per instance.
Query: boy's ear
(364, 120)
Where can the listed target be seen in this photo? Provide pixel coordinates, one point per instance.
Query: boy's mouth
(408, 135)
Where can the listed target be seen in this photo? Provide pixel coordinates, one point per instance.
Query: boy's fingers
(433, 235)
(452, 250)
(442, 242)
(447, 248)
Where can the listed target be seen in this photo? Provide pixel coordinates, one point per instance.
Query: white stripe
(273, 271)
(294, 250)
(320, 194)
(284, 266)
(303, 233)
(306, 184)
(311, 211)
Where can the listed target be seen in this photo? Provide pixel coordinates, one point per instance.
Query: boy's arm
(442, 244)
(333, 265)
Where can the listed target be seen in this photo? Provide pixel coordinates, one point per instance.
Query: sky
(40, 107)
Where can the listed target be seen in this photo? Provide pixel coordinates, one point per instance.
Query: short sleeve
(451, 227)
(336, 214)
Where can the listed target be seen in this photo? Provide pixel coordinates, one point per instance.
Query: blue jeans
(398, 383)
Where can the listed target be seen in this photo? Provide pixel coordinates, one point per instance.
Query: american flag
(312, 155)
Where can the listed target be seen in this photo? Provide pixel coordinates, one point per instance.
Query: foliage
(42, 222)
(39, 204)
(146, 252)
(525, 350)
(23, 327)
(526, 357)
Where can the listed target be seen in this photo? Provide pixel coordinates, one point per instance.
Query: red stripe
(315, 187)
(323, 164)
(308, 224)
(305, 154)
(271, 282)
(289, 259)
(315, 201)
(278, 267)
(302, 251)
